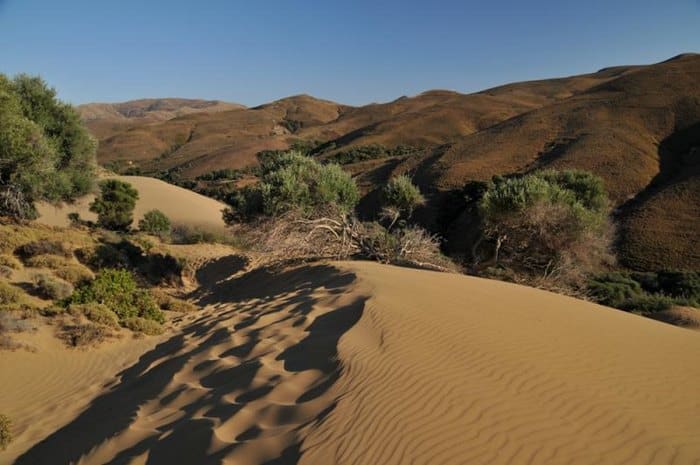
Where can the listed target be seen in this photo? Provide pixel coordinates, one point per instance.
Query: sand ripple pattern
(360, 364)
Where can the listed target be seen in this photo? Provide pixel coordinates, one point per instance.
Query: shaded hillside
(638, 132)
(198, 143)
(635, 126)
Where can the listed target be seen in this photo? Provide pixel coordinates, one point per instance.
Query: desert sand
(361, 363)
(180, 205)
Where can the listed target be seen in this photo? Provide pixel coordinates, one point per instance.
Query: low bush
(47, 261)
(13, 322)
(43, 247)
(199, 234)
(51, 287)
(84, 334)
(143, 325)
(97, 313)
(10, 261)
(647, 292)
(155, 222)
(167, 302)
(9, 294)
(6, 272)
(5, 431)
(74, 273)
(117, 289)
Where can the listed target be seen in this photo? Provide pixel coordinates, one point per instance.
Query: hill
(367, 363)
(636, 126)
(105, 119)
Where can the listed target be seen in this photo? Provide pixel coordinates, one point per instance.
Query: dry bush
(6, 272)
(10, 261)
(5, 431)
(83, 334)
(51, 287)
(74, 273)
(97, 313)
(167, 302)
(44, 247)
(142, 325)
(47, 261)
(9, 294)
(333, 235)
(14, 322)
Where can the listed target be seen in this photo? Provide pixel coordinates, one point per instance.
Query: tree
(45, 152)
(400, 198)
(115, 205)
(549, 225)
(155, 222)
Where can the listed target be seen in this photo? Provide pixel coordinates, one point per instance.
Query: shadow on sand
(187, 438)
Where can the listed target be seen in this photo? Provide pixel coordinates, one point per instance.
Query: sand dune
(181, 205)
(360, 363)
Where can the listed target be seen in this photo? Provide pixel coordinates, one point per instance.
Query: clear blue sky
(355, 51)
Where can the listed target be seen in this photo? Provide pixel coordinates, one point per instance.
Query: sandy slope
(359, 363)
(181, 205)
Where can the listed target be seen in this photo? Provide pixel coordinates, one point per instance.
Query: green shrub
(5, 431)
(97, 313)
(647, 303)
(613, 289)
(548, 225)
(402, 195)
(9, 294)
(143, 325)
(199, 234)
(51, 287)
(155, 222)
(647, 292)
(294, 181)
(115, 205)
(117, 290)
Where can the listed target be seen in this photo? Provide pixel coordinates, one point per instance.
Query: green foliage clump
(647, 292)
(117, 290)
(50, 287)
(143, 325)
(5, 431)
(45, 152)
(402, 195)
(115, 205)
(295, 181)
(548, 224)
(155, 222)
